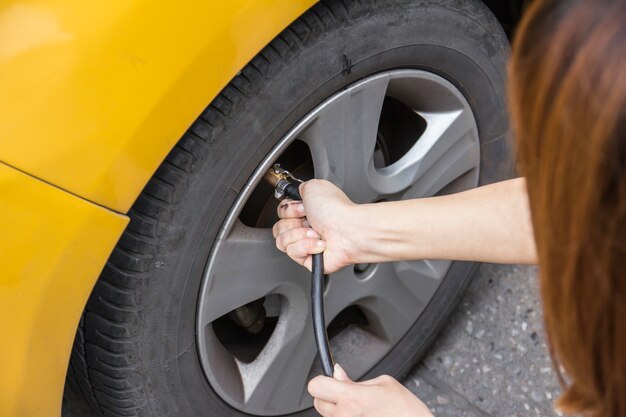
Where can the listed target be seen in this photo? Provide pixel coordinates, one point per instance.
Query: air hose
(281, 179)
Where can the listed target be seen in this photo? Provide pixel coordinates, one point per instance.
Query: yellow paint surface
(94, 94)
(52, 248)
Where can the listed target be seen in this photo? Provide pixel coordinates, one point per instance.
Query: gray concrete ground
(490, 360)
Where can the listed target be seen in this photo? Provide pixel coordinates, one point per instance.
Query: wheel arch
(121, 83)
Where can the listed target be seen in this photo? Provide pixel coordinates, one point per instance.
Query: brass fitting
(276, 173)
(279, 179)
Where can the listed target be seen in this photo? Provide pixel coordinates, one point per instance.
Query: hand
(327, 228)
(378, 397)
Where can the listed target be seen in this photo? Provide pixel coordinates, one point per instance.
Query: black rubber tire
(135, 351)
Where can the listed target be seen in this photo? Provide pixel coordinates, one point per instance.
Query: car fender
(93, 95)
(53, 246)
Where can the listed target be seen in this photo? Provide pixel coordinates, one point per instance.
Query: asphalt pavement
(491, 358)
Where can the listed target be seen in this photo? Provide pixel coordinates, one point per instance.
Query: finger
(289, 209)
(305, 187)
(327, 389)
(307, 262)
(339, 373)
(282, 225)
(379, 380)
(295, 235)
(301, 188)
(325, 408)
(305, 247)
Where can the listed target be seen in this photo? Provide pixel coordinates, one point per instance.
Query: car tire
(136, 350)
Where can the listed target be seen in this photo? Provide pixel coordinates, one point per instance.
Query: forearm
(489, 224)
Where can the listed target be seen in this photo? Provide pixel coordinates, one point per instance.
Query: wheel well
(508, 12)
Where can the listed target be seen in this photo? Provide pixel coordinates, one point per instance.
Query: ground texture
(491, 359)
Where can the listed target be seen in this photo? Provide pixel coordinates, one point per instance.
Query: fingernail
(321, 243)
(311, 233)
(300, 208)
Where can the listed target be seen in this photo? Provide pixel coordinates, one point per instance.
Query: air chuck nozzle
(272, 176)
(280, 179)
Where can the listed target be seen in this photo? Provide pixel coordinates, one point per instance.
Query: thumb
(339, 374)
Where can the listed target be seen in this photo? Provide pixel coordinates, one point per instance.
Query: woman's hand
(378, 397)
(328, 226)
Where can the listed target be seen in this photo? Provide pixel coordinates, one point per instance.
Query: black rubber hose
(317, 307)
(317, 299)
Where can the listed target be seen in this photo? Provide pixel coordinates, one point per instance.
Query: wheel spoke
(342, 137)
(391, 307)
(422, 277)
(446, 150)
(277, 378)
(340, 292)
(249, 267)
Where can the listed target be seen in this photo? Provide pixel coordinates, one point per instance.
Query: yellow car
(138, 262)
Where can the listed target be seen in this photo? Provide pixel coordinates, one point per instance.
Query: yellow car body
(93, 95)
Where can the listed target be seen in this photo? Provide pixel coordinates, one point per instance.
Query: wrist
(387, 231)
(357, 232)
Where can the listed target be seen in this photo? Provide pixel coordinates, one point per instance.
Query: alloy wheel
(395, 135)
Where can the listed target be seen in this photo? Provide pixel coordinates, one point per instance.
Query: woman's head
(568, 102)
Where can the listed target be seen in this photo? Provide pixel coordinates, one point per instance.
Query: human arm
(490, 223)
